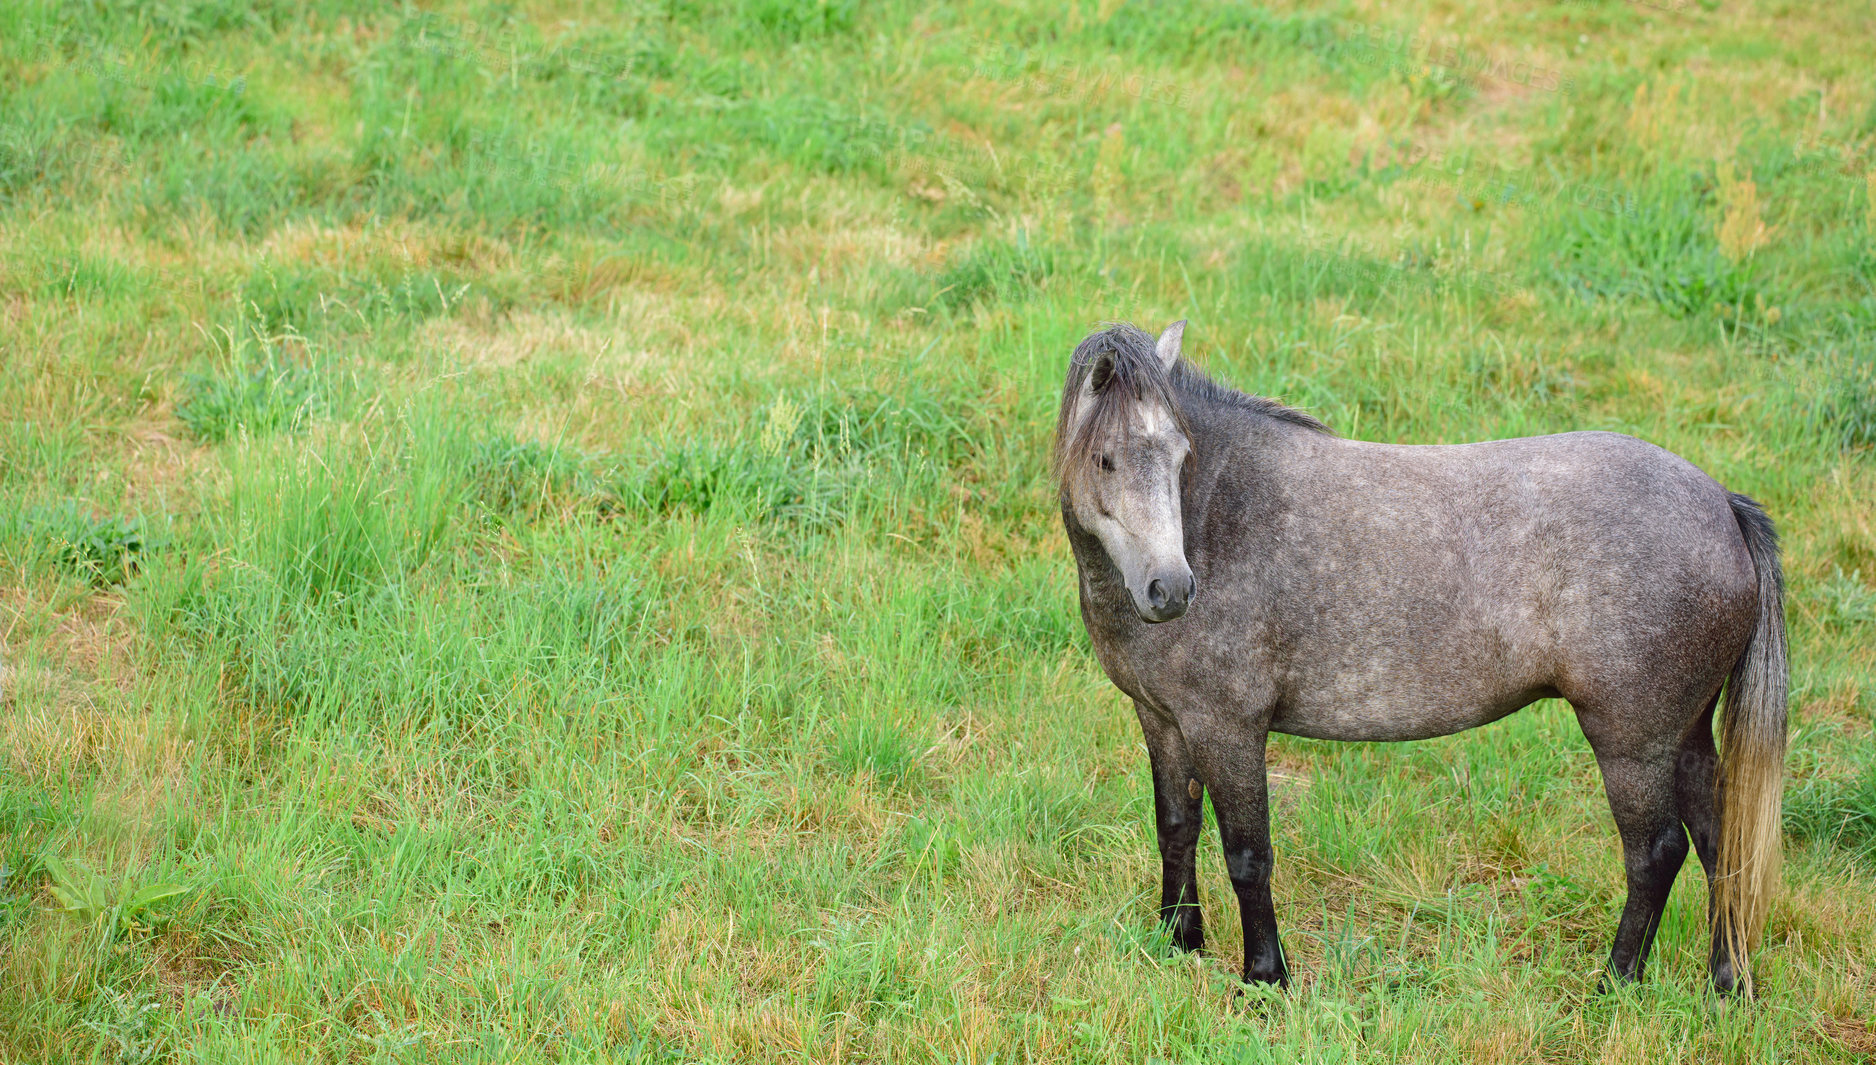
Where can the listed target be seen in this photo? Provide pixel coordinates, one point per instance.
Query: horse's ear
(1168, 346)
(1101, 372)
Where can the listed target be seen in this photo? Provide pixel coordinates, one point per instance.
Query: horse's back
(1597, 513)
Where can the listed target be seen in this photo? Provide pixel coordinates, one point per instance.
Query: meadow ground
(525, 532)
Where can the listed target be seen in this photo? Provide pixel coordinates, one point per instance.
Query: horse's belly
(1397, 716)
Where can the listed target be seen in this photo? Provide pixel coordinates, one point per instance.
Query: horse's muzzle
(1167, 597)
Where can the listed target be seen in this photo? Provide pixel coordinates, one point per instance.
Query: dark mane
(1127, 370)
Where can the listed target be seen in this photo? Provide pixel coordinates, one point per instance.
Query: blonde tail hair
(1752, 762)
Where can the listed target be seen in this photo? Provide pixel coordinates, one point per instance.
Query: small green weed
(100, 549)
(111, 912)
(127, 1026)
(523, 478)
(1848, 600)
(265, 396)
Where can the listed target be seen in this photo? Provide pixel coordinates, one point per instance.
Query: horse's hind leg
(1697, 789)
(1178, 811)
(1639, 777)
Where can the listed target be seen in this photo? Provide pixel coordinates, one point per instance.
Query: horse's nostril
(1192, 588)
(1156, 594)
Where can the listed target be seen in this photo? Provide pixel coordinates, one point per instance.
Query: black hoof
(1188, 940)
(1607, 983)
(1186, 932)
(1278, 978)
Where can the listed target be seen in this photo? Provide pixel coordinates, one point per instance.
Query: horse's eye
(1103, 461)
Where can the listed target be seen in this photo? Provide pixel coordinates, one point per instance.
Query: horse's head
(1121, 447)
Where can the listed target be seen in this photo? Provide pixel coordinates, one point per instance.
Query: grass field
(525, 530)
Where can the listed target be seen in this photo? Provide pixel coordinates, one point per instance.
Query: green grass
(525, 531)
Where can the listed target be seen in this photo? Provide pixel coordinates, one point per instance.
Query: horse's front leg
(1232, 766)
(1178, 809)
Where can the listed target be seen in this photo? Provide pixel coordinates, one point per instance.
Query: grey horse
(1243, 570)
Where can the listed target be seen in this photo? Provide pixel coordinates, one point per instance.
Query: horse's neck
(1236, 450)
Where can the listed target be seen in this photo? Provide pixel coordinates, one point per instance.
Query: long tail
(1752, 762)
